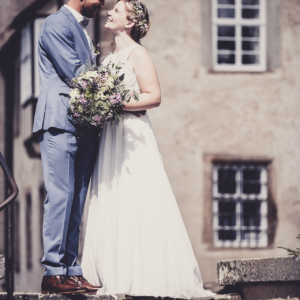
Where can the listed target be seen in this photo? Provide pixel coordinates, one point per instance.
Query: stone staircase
(252, 279)
(36, 296)
(263, 279)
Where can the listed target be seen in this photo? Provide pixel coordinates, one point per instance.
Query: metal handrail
(13, 193)
(14, 188)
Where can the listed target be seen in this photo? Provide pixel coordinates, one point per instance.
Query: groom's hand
(138, 113)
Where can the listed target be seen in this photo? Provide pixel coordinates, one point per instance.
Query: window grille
(240, 194)
(239, 35)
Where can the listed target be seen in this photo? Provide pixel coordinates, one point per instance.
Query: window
(29, 76)
(29, 82)
(239, 35)
(26, 64)
(28, 232)
(240, 194)
(17, 236)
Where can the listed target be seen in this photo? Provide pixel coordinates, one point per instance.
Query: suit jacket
(63, 52)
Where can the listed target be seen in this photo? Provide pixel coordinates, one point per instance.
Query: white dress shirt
(80, 18)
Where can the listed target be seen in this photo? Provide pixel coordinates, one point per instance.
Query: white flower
(74, 93)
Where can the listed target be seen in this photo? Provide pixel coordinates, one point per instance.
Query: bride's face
(117, 18)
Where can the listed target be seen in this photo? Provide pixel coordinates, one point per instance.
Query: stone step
(228, 297)
(37, 296)
(2, 267)
(264, 279)
(277, 269)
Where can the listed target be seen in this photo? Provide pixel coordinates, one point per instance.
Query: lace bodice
(122, 56)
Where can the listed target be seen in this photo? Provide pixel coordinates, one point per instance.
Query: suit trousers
(68, 161)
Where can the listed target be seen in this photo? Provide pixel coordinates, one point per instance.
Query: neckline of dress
(125, 49)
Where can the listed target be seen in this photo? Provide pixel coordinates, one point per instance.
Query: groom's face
(90, 8)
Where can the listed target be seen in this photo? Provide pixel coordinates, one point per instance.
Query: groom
(68, 157)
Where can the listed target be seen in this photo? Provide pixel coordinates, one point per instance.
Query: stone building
(228, 127)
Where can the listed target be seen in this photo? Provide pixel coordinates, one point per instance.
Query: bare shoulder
(139, 54)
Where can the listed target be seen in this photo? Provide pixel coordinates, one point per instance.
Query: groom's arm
(59, 46)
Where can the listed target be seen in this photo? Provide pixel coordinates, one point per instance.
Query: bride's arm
(146, 75)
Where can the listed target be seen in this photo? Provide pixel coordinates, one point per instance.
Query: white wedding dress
(136, 242)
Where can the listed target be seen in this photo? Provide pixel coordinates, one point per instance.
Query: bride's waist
(133, 113)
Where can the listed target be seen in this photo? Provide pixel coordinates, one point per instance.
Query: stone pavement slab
(228, 297)
(278, 269)
(37, 296)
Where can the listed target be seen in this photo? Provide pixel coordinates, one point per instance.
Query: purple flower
(103, 78)
(83, 84)
(97, 118)
(118, 98)
(83, 101)
(76, 115)
(115, 98)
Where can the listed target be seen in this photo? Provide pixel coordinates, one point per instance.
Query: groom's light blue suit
(68, 158)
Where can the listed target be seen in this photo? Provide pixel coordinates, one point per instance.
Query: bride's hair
(137, 32)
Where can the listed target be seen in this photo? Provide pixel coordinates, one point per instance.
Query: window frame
(239, 198)
(238, 22)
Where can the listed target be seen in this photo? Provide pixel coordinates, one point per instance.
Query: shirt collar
(75, 13)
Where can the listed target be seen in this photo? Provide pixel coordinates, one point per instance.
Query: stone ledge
(271, 290)
(284, 269)
(2, 267)
(37, 296)
(228, 297)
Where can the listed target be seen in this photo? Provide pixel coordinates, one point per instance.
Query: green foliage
(121, 78)
(119, 66)
(136, 96)
(292, 252)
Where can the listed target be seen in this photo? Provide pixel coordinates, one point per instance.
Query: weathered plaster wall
(2, 193)
(9, 10)
(239, 114)
(28, 279)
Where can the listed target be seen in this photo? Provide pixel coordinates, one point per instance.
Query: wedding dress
(136, 242)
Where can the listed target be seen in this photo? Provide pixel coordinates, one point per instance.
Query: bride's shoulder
(139, 51)
(138, 54)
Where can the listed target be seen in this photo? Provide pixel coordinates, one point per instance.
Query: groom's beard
(90, 13)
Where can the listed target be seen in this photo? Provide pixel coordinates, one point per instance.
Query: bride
(136, 242)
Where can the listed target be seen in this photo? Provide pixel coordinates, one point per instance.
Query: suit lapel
(79, 28)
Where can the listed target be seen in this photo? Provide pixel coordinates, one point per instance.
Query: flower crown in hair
(140, 13)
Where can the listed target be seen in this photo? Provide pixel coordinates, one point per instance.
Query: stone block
(228, 297)
(282, 269)
(271, 290)
(2, 267)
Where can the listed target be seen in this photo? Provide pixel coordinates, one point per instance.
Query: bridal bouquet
(97, 96)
